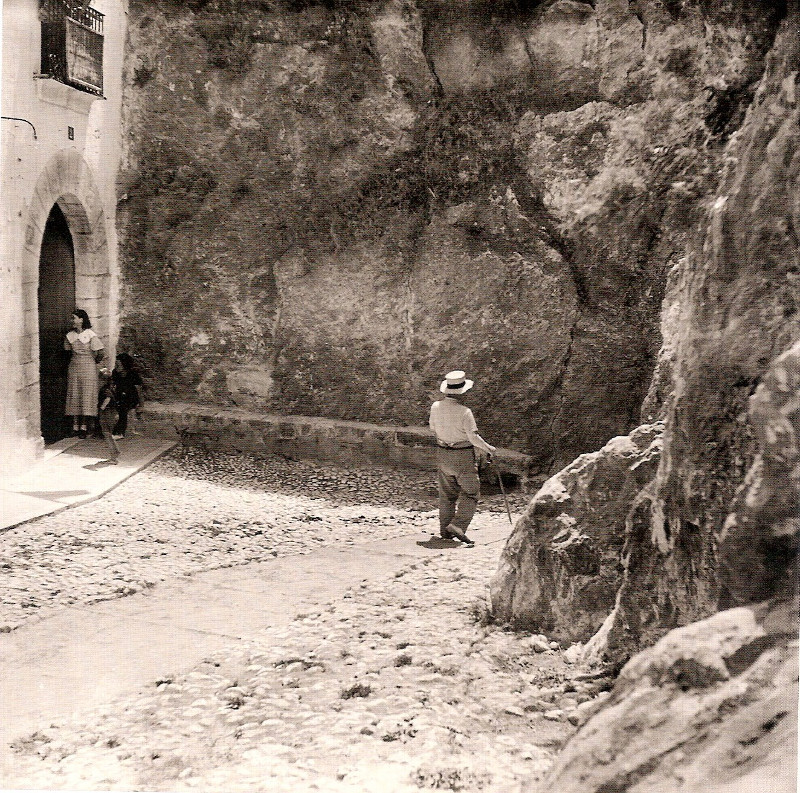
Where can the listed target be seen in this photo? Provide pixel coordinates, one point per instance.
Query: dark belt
(453, 446)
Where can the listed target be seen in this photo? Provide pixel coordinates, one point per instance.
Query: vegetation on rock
(310, 185)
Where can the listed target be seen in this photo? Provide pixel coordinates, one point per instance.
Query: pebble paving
(192, 511)
(400, 685)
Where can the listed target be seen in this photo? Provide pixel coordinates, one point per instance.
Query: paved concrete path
(81, 657)
(72, 472)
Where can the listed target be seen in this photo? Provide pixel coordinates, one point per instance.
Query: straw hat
(455, 383)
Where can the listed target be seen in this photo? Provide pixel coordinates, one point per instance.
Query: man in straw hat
(457, 473)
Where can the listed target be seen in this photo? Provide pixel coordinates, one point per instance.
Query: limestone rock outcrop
(713, 705)
(759, 540)
(731, 314)
(730, 310)
(562, 566)
(711, 708)
(325, 206)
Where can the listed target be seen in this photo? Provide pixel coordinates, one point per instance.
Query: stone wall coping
(217, 411)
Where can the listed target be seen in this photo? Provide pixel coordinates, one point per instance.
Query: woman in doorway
(82, 381)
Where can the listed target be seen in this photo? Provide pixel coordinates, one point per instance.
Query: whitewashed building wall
(60, 145)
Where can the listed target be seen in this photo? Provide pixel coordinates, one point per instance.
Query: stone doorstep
(307, 437)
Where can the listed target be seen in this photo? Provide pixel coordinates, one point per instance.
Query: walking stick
(502, 489)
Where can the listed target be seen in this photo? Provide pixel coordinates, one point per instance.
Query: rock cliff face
(327, 205)
(713, 705)
(737, 294)
(729, 311)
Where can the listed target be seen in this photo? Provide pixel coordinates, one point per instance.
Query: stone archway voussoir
(66, 180)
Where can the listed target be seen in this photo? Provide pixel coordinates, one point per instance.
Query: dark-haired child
(128, 386)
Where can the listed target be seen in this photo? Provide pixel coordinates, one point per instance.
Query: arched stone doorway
(66, 181)
(56, 301)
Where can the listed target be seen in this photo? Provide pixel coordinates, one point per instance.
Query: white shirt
(453, 422)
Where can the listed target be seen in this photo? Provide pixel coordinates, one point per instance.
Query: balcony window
(72, 44)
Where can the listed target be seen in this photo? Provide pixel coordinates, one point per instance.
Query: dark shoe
(454, 531)
(468, 543)
(81, 433)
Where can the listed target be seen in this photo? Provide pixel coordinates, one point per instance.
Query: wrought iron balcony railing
(72, 44)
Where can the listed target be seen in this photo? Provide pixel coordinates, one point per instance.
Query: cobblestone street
(191, 511)
(399, 685)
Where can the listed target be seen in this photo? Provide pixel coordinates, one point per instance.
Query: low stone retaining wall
(306, 437)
